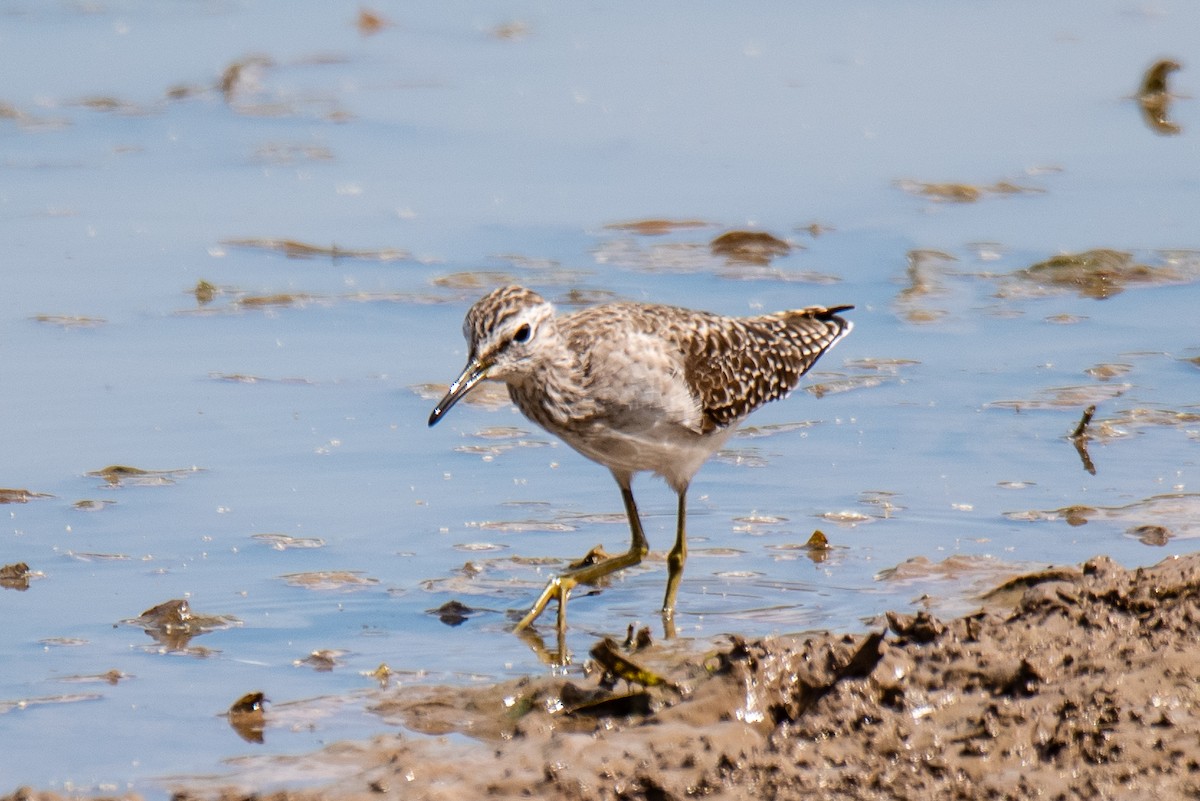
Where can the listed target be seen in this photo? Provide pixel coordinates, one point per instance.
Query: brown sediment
(1069, 683)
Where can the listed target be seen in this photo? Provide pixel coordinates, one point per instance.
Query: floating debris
(815, 229)
(330, 580)
(323, 660)
(112, 677)
(961, 192)
(847, 518)
(656, 227)
(1065, 397)
(89, 505)
(926, 272)
(818, 543)
(473, 280)
(277, 299)
(247, 716)
(370, 22)
(117, 475)
(523, 526)
(91, 556)
(16, 576)
(382, 674)
(20, 495)
(749, 247)
(1081, 429)
(1176, 513)
(205, 292)
(453, 613)
(288, 153)
(283, 542)
(1102, 273)
(173, 624)
(294, 249)
(111, 105)
(1107, 372)
(63, 642)
(70, 320)
(1079, 438)
(243, 378)
(1157, 536)
(243, 75)
(511, 31)
(68, 698)
(1154, 98)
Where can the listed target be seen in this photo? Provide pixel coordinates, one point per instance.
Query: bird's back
(710, 369)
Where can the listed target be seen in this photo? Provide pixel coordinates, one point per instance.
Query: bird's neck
(550, 393)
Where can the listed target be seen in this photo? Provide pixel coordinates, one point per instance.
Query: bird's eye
(522, 334)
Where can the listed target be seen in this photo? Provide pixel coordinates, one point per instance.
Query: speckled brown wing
(738, 364)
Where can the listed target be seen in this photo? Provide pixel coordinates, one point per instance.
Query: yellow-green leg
(561, 585)
(676, 557)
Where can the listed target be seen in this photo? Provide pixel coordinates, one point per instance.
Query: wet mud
(1066, 683)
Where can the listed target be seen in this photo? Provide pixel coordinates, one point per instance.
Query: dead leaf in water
(111, 105)
(294, 249)
(453, 613)
(70, 320)
(243, 378)
(1176, 514)
(118, 475)
(926, 273)
(960, 192)
(511, 31)
(749, 247)
(345, 580)
(243, 75)
(1108, 371)
(656, 227)
(1152, 535)
(1103, 273)
(473, 279)
(322, 661)
(173, 624)
(1154, 98)
(1065, 397)
(20, 495)
(370, 22)
(283, 542)
(26, 703)
(15, 576)
(113, 677)
(286, 153)
(205, 292)
(279, 299)
(247, 716)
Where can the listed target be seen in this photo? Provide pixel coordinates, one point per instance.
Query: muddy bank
(1072, 683)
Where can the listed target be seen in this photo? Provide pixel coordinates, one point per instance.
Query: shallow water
(456, 152)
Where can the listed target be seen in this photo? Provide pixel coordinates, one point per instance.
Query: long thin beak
(472, 374)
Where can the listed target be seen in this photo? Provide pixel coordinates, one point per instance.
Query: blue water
(511, 157)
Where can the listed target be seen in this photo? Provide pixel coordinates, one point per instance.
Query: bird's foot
(593, 567)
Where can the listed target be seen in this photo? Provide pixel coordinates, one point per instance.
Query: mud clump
(1070, 683)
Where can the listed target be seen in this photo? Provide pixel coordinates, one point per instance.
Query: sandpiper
(637, 387)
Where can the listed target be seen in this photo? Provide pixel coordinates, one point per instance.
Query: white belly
(671, 451)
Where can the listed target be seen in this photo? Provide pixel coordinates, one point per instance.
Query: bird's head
(502, 330)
